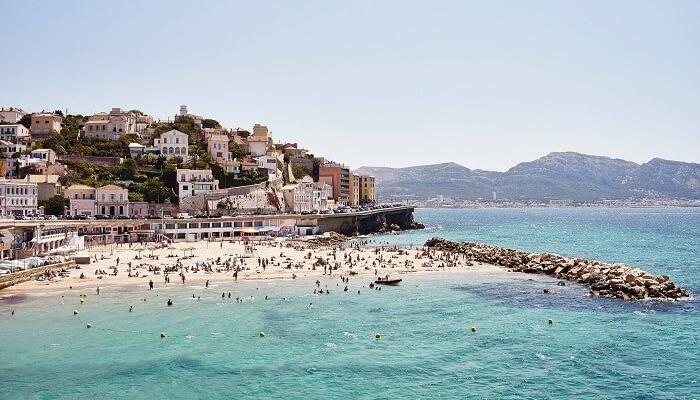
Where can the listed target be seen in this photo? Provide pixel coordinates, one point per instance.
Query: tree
(26, 120)
(299, 171)
(53, 205)
(136, 196)
(128, 170)
(210, 123)
(236, 150)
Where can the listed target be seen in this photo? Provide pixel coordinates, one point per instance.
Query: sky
(378, 83)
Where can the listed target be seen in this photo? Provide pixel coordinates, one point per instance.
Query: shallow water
(596, 348)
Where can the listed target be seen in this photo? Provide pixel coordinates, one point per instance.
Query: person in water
(150, 284)
(170, 302)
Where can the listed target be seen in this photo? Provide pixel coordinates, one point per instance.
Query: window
(194, 225)
(227, 224)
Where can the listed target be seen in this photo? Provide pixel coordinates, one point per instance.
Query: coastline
(356, 261)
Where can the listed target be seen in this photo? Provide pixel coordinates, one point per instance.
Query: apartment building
(338, 177)
(15, 133)
(367, 192)
(192, 182)
(17, 197)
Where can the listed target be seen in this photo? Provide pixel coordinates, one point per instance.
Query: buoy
(473, 328)
(377, 335)
(262, 334)
(89, 325)
(162, 335)
(75, 312)
(551, 321)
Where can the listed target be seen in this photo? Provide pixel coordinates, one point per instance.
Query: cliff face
(574, 176)
(374, 222)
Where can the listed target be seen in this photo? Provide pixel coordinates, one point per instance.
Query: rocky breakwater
(603, 279)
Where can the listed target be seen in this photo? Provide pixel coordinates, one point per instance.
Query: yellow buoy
(473, 328)
(551, 321)
(75, 312)
(162, 335)
(262, 334)
(89, 325)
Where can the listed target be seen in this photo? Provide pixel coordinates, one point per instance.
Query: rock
(603, 279)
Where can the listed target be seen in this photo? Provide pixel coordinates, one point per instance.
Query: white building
(267, 162)
(8, 149)
(11, 115)
(308, 196)
(46, 155)
(257, 146)
(17, 197)
(192, 182)
(14, 133)
(173, 143)
(110, 125)
(136, 150)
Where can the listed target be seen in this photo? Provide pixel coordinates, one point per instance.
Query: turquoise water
(596, 348)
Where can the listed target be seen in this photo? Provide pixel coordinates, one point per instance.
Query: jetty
(603, 279)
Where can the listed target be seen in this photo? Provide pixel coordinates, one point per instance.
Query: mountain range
(560, 175)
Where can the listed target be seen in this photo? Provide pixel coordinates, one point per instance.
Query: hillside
(567, 175)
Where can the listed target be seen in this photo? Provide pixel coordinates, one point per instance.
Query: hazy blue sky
(385, 83)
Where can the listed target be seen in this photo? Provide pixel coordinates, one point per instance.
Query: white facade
(267, 162)
(18, 197)
(14, 133)
(47, 155)
(173, 143)
(308, 196)
(8, 149)
(192, 182)
(257, 146)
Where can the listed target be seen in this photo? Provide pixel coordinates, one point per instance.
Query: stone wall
(29, 274)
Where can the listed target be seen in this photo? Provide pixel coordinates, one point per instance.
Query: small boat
(387, 281)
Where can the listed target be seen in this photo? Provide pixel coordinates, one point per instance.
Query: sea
(413, 341)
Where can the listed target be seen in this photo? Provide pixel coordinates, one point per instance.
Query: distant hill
(567, 175)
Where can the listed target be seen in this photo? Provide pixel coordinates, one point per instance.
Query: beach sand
(286, 259)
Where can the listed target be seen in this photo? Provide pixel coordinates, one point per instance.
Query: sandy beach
(199, 262)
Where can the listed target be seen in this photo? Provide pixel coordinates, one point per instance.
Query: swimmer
(170, 303)
(131, 308)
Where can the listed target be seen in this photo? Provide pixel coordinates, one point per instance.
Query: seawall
(375, 221)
